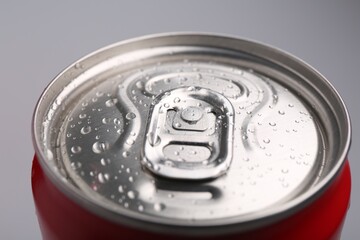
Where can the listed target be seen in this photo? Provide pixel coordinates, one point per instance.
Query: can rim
(266, 216)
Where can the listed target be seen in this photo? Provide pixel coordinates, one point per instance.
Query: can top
(174, 131)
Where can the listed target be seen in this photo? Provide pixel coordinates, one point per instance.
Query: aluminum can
(186, 135)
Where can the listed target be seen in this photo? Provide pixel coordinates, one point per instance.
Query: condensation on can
(193, 135)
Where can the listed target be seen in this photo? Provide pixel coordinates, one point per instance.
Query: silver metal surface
(262, 131)
(189, 134)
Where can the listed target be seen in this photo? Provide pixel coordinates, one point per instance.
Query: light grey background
(39, 38)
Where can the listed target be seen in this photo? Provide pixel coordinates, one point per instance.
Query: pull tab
(189, 134)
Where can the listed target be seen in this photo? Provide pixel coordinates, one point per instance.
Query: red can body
(61, 218)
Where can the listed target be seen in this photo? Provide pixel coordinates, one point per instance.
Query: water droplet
(131, 194)
(192, 88)
(176, 100)
(166, 105)
(291, 105)
(78, 66)
(266, 140)
(170, 195)
(284, 170)
(106, 120)
(121, 189)
(140, 84)
(153, 139)
(75, 165)
(111, 102)
(273, 124)
(167, 80)
(82, 115)
(159, 207)
(178, 125)
(103, 161)
(125, 154)
(117, 121)
(103, 178)
(100, 147)
(130, 115)
(130, 141)
(76, 149)
(85, 130)
(131, 179)
(281, 112)
(169, 163)
(141, 208)
(205, 162)
(156, 168)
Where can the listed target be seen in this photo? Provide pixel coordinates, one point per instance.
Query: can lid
(183, 130)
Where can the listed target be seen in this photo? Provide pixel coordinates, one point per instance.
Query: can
(187, 135)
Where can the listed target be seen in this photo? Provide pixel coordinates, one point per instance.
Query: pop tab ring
(189, 134)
